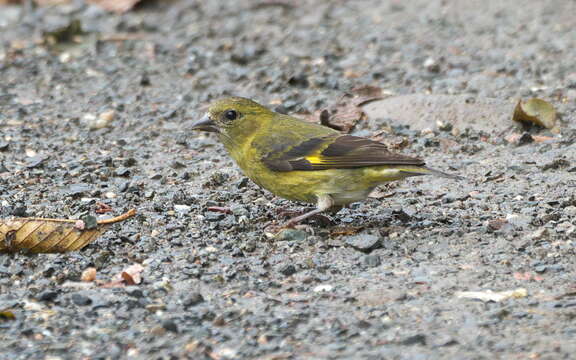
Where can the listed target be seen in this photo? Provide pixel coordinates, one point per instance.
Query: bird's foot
(323, 220)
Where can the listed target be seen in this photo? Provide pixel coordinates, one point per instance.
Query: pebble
(287, 270)
(182, 209)
(570, 211)
(48, 295)
(519, 221)
(214, 216)
(170, 325)
(323, 288)
(239, 210)
(193, 299)
(292, 235)
(364, 241)
(371, 260)
(539, 234)
(122, 172)
(110, 195)
(81, 300)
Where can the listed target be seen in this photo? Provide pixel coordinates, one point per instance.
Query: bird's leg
(324, 203)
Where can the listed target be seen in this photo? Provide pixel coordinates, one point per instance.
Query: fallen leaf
(343, 116)
(347, 111)
(535, 111)
(367, 93)
(38, 235)
(490, 295)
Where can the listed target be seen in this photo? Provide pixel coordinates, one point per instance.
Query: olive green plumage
(302, 161)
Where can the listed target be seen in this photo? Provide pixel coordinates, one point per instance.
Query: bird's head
(234, 118)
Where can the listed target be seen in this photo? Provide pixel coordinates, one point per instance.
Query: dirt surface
(104, 118)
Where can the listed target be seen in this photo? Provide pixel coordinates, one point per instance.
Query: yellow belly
(343, 185)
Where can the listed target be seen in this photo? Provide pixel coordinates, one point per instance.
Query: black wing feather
(343, 152)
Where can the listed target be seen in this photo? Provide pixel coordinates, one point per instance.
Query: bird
(303, 161)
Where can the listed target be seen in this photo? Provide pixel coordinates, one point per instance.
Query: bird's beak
(205, 124)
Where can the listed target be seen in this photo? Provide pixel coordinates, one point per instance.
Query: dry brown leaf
(367, 93)
(37, 235)
(535, 111)
(346, 112)
(343, 117)
(118, 6)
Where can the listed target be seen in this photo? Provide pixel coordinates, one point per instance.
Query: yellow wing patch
(314, 159)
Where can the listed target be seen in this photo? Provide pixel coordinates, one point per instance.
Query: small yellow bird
(302, 161)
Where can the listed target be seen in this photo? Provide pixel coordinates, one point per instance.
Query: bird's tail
(423, 170)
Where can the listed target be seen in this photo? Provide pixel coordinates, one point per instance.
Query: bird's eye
(231, 115)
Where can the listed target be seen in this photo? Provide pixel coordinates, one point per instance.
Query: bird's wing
(335, 152)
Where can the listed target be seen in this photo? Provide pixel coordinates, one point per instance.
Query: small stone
(134, 291)
(418, 339)
(170, 325)
(565, 227)
(431, 65)
(519, 221)
(539, 234)
(214, 216)
(372, 260)
(287, 270)
(540, 269)
(35, 161)
(177, 165)
(292, 235)
(122, 172)
(525, 138)
(107, 116)
(193, 299)
(76, 190)
(363, 241)
(323, 288)
(81, 300)
(570, 211)
(129, 162)
(155, 307)
(182, 209)
(239, 210)
(48, 296)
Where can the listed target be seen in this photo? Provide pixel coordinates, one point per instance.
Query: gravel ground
(104, 118)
